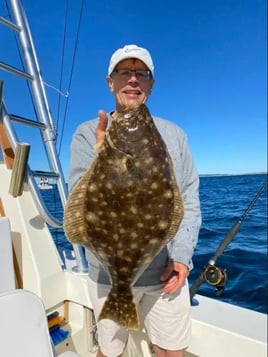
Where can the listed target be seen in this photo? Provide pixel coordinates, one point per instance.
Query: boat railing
(6, 120)
(44, 122)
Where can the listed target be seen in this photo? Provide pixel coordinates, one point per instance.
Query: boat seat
(23, 326)
(7, 275)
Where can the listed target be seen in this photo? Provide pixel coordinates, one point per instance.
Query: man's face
(130, 87)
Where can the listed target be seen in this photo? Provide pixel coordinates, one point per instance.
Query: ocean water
(224, 200)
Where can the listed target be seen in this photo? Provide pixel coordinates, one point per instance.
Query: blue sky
(210, 61)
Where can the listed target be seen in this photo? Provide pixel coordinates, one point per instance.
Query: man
(161, 292)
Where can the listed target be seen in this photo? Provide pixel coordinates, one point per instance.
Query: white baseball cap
(131, 51)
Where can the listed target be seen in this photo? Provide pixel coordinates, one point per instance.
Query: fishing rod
(212, 274)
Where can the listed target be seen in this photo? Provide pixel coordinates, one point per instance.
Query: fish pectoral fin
(121, 309)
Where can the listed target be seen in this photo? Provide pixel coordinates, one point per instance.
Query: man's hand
(174, 277)
(101, 128)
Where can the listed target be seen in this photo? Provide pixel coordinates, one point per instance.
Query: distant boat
(44, 184)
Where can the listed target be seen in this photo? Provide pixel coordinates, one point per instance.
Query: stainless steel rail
(45, 122)
(12, 137)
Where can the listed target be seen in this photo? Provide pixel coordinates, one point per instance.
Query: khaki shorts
(165, 318)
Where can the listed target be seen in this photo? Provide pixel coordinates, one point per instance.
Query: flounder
(126, 207)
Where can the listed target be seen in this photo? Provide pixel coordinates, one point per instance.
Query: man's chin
(134, 101)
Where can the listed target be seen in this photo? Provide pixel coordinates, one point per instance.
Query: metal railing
(44, 122)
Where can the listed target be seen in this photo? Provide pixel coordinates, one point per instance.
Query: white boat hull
(219, 329)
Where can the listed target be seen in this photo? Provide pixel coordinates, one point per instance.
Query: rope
(71, 75)
(62, 62)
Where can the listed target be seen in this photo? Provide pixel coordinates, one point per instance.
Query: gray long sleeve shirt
(181, 248)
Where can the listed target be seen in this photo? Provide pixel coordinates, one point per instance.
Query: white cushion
(23, 326)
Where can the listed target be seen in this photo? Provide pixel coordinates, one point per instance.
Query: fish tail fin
(121, 308)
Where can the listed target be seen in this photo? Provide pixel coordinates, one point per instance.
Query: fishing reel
(215, 276)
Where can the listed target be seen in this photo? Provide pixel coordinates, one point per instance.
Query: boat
(37, 280)
(44, 184)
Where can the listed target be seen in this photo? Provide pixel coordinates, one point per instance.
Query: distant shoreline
(245, 174)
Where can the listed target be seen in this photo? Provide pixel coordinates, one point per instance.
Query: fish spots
(78, 200)
(145, 141)
(109, 186)
(149, 161)
(124, 269)
(101, 203)
(147, 259)
(153, 241)
(134, 235)
(92, 217)
(163, 224)
(154, 186)
(92, 187)
(102, 255)
(77, 214)
(133, 209)
(126, 207)
(155, 169)
(168, 194)
(134, 245)
(130, 183)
